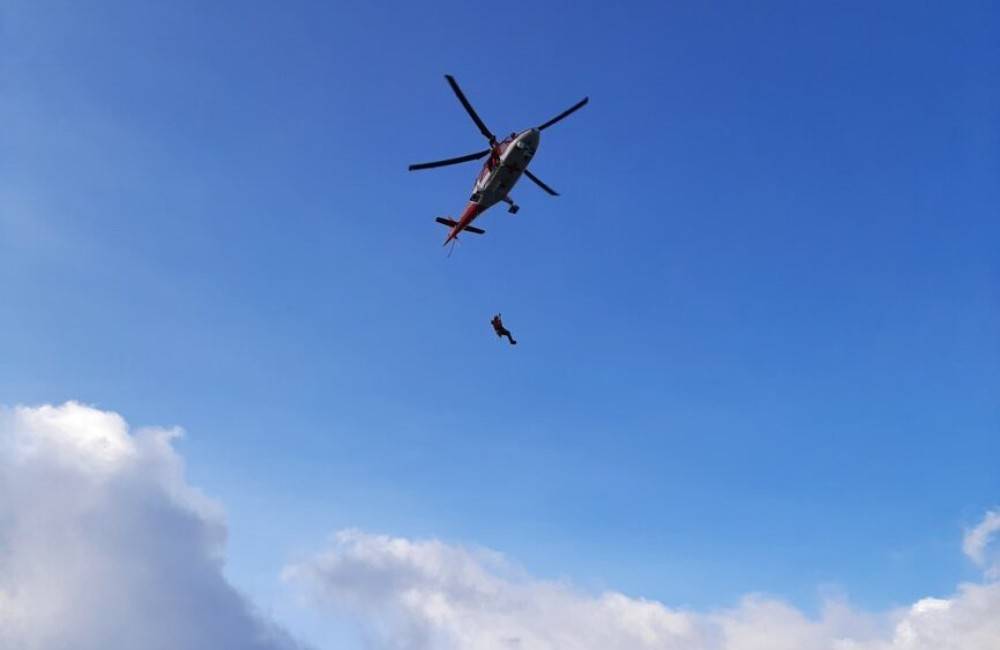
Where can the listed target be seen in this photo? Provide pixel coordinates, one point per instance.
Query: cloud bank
(417, 595)
(103, 544)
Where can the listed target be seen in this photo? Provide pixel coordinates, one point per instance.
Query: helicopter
(507, 160)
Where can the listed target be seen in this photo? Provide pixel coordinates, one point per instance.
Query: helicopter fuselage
(507, 161)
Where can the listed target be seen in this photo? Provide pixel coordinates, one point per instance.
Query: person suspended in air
(501, 330)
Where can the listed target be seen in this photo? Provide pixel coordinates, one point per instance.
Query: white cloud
(104, 545)
(417, 595)
(977, 539)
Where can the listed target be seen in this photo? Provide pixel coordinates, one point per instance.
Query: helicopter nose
(529, 139)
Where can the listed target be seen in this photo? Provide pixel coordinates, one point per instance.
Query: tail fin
(451, 223)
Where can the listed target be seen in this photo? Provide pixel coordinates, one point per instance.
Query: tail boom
(472, 210)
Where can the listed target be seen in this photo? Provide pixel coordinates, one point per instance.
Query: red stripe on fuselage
(472, 211)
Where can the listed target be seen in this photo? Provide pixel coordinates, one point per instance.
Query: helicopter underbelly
(495, 186)
(499, 183)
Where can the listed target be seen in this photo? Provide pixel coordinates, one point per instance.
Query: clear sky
(758, 330)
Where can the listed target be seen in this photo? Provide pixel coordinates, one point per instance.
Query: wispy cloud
(978, 539)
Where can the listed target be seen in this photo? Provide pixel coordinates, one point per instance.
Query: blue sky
(758, 329)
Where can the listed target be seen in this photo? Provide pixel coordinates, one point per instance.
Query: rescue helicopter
(507, 160)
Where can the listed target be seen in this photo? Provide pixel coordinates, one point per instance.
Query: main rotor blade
(450, 161)
(540, 183)
(566, 113)
(468, 108)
